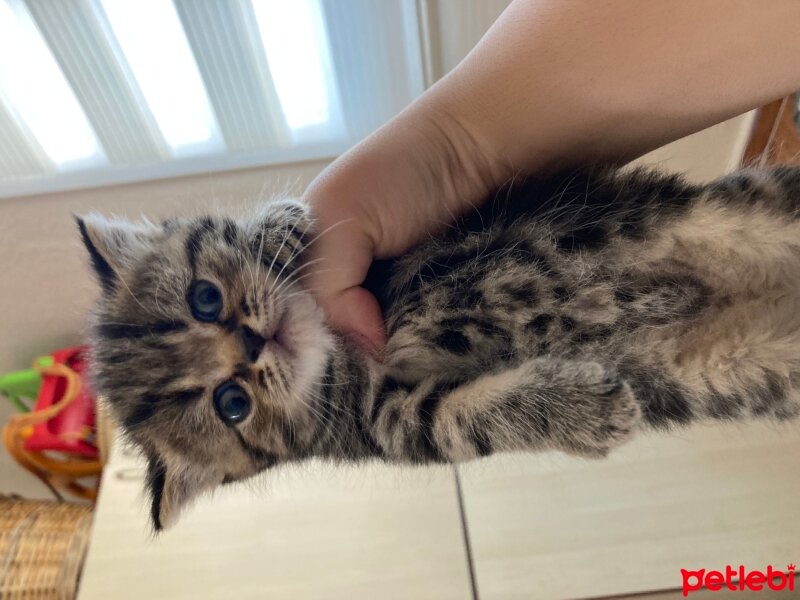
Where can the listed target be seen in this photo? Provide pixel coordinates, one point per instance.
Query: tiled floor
(567, 528)
(319, 532)
(543, 526)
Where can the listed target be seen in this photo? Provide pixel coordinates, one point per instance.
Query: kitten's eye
(205, 300)
(232, 402)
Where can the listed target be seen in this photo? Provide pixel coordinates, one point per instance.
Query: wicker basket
(42, 546)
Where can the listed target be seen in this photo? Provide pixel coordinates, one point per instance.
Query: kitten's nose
(253, 343)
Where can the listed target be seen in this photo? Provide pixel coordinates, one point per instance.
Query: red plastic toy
(56, 438)
(72, 429)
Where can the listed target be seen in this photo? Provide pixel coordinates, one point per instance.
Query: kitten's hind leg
(580, 407)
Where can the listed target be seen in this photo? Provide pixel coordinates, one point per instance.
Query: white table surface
(544, 526)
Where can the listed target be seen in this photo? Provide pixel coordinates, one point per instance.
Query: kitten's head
(205, 345)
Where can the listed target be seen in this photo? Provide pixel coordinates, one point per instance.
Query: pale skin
(554, 83)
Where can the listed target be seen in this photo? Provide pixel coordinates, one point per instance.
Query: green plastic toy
(21, 387)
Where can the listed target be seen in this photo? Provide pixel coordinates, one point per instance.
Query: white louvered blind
(106, 91)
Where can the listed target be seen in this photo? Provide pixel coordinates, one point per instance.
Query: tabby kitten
(564, 314)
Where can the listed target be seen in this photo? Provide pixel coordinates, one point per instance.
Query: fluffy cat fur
(564, 314)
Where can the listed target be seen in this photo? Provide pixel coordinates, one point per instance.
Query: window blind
(105, 91)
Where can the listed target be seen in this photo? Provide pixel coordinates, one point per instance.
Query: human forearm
(565, 81)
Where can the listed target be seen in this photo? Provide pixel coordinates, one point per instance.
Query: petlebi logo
(739, 579)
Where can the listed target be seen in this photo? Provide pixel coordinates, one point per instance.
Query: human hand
(408, 179)
(553, 83)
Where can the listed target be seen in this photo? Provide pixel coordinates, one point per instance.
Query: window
(106, 91)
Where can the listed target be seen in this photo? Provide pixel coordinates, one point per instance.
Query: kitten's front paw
(607, 415)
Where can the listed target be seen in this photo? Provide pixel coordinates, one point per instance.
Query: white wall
(706, 154)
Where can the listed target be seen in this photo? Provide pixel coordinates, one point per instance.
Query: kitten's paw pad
(608, 418)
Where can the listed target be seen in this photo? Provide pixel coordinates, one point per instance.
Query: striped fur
(564, 314)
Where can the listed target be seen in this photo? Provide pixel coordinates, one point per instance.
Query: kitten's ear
(171, 490)
(286, 212)
(113, 245)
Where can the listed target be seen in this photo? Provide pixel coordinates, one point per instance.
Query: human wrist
(468, 162)
(414, 174)
(439, 167)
